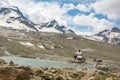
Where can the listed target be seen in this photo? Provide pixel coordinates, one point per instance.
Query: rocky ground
(14, 72)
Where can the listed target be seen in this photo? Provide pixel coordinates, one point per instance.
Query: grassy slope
(102, 50)
(63, 46)
(16, 48)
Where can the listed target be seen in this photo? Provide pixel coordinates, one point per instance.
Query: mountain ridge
(54, 24)
(11, 17)
(110, 36)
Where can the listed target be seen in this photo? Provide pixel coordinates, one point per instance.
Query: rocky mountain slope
(11, 17)
(109, 36)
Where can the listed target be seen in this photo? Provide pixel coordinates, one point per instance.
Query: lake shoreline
(46, 63)
(8, 72)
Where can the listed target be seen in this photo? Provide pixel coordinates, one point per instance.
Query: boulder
(2, 62)
(12, 73)
(60, 78)
(11, 63)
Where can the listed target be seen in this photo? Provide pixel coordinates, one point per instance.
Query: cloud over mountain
(44, 11)
(91, 21)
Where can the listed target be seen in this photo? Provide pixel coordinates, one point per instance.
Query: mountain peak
(115, 29)
(104, 32)
(11, 17)
(53, 24)
(110, 36)
(53, 21)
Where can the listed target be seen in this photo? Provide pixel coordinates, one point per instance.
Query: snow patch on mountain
(41, 46)
(49, 30)
(93, 37)
(28, 44)
(109, 36)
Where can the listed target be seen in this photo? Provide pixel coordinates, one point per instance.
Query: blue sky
(82, 16)
(68, 1)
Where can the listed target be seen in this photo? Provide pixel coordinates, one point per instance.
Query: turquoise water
(44, 63)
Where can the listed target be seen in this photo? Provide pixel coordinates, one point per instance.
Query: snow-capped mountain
(109, 36)
(115, 29)
(53, 26)
(12, 18)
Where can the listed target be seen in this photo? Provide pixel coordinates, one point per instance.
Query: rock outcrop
(2, 62)
(12, 73)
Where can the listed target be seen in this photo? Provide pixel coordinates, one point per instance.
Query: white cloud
(43, 11)
(84, 8)
(4, 3)
(68, 6)
(91, 21)
(111, 8)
